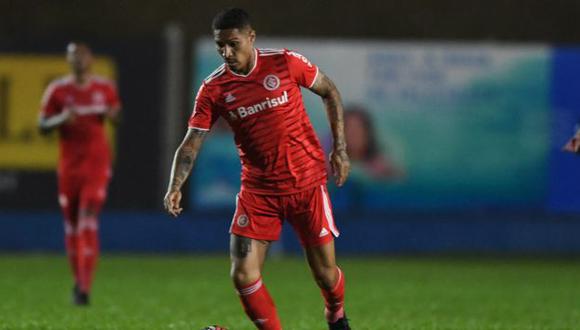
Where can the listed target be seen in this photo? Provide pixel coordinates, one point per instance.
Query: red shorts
(309, 212)
(77, 191)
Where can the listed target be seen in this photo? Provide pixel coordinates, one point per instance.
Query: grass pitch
(189, 292)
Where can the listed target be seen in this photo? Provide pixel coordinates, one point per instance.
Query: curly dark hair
(231, 18)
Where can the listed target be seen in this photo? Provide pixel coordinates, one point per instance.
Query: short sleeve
(49, 104)
(301, 70)
(204, 114)
(113, 99)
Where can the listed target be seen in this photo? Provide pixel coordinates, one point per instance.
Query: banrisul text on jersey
(265, 105)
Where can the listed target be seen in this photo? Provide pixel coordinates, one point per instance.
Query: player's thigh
(257, 217)
(311, 217)
(247, 257)
(93, 193)
(69, 191)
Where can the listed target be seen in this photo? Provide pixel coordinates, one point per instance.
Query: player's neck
(251, 64)
(81, 79)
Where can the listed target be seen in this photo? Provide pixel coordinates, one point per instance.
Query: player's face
(236, 47)
(79, 57)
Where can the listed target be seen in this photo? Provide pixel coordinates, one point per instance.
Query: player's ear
(252, 35)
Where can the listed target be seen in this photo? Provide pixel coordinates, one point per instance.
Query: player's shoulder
(216, 76)
(267, 52)
(291, 56)
(60, 83)
(285, 53)
(294, 55)
(274, 55)
(56, 87)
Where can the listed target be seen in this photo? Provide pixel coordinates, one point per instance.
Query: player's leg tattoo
(240, 246)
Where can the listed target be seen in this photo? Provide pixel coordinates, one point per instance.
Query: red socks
(87, 252)
(259, 306)
(334, 300)
(82, 246)
(70, 243)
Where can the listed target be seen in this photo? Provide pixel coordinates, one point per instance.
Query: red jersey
(83, 144)
(278, 148)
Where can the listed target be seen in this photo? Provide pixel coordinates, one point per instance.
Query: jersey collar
(84, 86)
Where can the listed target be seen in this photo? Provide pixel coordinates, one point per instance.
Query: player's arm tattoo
(185, 157)
(240, 246)
(330, 95)
(339, 160)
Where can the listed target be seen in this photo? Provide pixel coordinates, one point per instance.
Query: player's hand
(70, 115)
(573, 145)
(340, 164)
(172, 202)
(112, 114)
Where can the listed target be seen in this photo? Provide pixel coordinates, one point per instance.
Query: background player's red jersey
(83, 144)
(278, 147)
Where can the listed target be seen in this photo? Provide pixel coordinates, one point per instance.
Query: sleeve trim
(199, 128)
(314, 80)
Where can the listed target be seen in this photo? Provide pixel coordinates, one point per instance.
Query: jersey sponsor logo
(229, 98)
(89, 109)
(268, 103)
(243, 220)
(98, 106)
(98, 98)
(271, 82)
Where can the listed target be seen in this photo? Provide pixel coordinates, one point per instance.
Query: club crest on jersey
(271, 82)
(243, 220)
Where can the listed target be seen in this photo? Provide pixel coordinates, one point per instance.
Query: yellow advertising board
(23, 79)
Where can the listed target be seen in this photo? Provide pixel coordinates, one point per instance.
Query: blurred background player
(77, 106)
(257, 91)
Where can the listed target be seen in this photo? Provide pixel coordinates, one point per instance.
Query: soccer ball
(214, 327)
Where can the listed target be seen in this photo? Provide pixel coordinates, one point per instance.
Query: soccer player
(257, 91)
(77, 106)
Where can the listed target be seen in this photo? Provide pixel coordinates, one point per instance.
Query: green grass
(189, 292)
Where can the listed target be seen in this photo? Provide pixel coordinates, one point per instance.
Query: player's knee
(243, 276)
(325, 276)
(91, 208)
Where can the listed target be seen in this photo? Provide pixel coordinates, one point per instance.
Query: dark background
(27, 22)
(131, 33)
